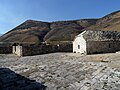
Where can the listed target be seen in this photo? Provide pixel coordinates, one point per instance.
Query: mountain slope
(36, 31)
(67, 30)
(63, 31)
(108, 22)
(29, 31)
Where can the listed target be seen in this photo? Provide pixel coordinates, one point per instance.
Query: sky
(15, 12)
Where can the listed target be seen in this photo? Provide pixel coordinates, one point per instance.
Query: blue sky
(14, 12)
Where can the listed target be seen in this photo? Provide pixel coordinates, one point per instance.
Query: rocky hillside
(67, 30)
(36, 31)
(29, 32)
(108, 22)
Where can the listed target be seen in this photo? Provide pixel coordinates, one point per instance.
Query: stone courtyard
(61, 71)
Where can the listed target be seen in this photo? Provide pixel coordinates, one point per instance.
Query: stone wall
(65, 48)
(5, 49)
(37, 49)
(28, 50)
(102, 46)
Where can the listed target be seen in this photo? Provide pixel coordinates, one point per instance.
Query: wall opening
(74, 52)
(15, 48)
(78, 46)
(109, 46)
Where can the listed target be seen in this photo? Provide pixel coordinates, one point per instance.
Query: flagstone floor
(66, 71)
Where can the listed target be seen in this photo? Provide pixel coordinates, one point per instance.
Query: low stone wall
(5, 49)
(37, 49)
(28, 50)
(65, 48)
(94, 47)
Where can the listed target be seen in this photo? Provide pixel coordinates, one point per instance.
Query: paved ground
(65, 71)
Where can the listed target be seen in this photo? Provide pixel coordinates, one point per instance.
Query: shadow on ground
(9, 80)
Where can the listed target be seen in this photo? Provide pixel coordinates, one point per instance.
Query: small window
(78, 46)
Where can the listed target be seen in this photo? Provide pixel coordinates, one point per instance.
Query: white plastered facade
(79, 44)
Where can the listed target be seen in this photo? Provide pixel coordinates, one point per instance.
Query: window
(78, 46)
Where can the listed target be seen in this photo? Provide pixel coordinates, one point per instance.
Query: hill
(108, 22)
(32, 31)
(67, 30)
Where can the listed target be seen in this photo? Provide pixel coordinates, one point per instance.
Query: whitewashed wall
(17, 50)
(79, 40)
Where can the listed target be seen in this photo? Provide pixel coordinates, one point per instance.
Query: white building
(96, 41)
(17, 49)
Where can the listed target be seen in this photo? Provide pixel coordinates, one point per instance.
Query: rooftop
(98, 35)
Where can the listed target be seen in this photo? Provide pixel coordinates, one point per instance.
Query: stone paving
(67, 71)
